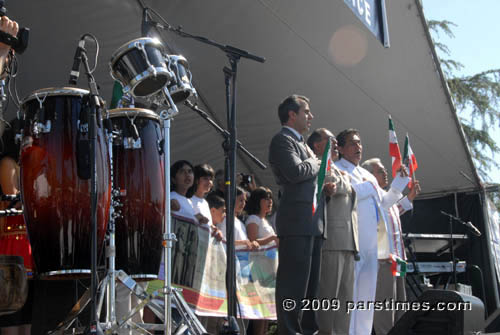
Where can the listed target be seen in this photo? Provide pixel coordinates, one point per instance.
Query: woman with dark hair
(259, 206)
(203, 182)
(181, 180)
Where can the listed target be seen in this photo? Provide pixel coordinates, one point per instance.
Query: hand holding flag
(324, 167)
(394, 151)
(409, 158)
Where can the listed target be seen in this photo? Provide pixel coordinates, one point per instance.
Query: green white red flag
(394, 149)
(398, 266)
(325, 166)
(409, 158)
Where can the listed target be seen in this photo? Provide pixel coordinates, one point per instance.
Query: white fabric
(200, 206)
(391, 240)
(265, 228)
(186, 210)
(371, 200)
(240, 233)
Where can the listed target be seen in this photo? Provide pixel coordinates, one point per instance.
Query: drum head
(132, 113)
(133, 44)
(55, 91)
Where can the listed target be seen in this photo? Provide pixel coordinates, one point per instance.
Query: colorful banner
(199, 268)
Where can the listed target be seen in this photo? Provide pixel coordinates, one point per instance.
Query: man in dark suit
(295, 168)
(340, 248)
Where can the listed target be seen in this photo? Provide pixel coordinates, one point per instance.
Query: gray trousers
(388, 287)
(337, 282)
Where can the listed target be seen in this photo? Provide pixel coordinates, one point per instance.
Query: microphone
(145, 26)
(474, 230)
(75, 71)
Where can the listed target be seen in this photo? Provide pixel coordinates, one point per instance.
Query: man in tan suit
(340, 249)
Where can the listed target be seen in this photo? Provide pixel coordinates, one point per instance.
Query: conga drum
(55, 181)
(139, 175)
(13, 284)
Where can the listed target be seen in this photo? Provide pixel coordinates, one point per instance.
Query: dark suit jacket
(295, 172)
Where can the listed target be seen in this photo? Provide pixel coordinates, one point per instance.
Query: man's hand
(330, 188)
(403, 171)
(414, 190)
(10, 27)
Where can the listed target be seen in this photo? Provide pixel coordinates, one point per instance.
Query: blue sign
(373, 15)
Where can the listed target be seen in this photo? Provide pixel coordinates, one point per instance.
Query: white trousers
(365, 286)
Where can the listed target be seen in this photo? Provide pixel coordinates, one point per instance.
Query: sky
(476, 44)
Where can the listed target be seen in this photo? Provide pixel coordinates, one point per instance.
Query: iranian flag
(409, 157)
(398, 266)
(394, 149)
(325, 166)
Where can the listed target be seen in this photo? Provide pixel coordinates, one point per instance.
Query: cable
(97, 49)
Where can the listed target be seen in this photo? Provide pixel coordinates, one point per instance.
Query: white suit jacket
(372, 202)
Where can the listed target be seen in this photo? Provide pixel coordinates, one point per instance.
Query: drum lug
(116, 203)
(130, 143)
(39, 128)
(83, 127)
(169, 239)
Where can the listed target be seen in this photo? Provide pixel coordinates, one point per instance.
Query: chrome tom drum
(181, 87)
(140, 67)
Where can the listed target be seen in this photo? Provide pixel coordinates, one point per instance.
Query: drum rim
(54, 91)
(124, 47)
(179, 58)
(11, 259)
(139, 112)
(139, 78)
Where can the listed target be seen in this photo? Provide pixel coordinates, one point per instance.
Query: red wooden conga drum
(55, 181)
(138, 174)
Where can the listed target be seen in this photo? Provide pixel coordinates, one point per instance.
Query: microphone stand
(95, 105)
(230, 74)
(469, 225)
(224, 133)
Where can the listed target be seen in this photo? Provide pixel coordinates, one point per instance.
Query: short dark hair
(315, 137)
(342, 136)
(214, 201)
(253, 204)
(291, 103)
(200, 170)
(175, 168)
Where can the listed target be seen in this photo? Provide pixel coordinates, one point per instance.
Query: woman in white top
(259, 206)
(240, 235)
(181, 179)
(203, 183)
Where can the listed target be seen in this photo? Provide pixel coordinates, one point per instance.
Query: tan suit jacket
(341, 215)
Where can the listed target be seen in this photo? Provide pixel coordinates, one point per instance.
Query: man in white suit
(390, 241)
(372, 201)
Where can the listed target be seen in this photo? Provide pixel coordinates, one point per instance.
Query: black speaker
(440, 312)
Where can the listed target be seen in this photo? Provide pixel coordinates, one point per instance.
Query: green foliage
(476, 99)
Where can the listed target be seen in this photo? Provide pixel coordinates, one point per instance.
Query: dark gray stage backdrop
(318, 49)
(427, 219)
